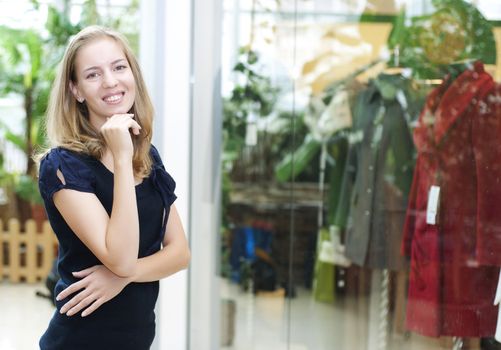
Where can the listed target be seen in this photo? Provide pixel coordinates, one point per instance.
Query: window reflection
(380, 187)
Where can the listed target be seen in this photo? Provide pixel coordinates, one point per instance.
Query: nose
(109, 80)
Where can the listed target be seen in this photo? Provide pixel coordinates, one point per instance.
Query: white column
(165, 58)
(205, 185)
(181, 49)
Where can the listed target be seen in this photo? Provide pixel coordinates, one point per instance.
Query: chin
(121, 110)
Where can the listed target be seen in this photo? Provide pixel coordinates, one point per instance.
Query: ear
(75, 92)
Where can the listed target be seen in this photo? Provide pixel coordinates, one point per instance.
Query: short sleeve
(77, 175)
(162, 179)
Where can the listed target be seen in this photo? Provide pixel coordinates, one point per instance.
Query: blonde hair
(67, 122)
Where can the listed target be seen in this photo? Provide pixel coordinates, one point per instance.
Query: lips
(113, 98)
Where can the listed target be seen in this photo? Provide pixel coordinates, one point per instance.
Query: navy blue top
(128, 320)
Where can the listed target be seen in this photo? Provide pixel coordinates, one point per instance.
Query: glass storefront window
(361, 177)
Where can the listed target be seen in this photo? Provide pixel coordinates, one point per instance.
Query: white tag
(326, 252)
(251, 134)
(433, 203)
(3, 197)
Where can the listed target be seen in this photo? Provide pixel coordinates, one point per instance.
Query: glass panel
(361, 177)
(259, 132)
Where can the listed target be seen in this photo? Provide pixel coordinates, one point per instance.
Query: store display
(378, 173)
(400, 131)
(454, 262)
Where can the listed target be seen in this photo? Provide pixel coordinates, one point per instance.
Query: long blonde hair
(67, 122)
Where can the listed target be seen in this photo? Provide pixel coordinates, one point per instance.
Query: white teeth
(113, 98)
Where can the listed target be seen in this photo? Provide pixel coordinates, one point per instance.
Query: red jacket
(454, 263)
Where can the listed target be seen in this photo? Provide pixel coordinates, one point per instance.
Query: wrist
(133, 278)
(122, 161)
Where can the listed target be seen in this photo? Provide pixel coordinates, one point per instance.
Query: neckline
(109, 172)
(100, 164)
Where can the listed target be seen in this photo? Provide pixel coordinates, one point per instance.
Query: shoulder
(71, 165)
(64, 154)
(63, 159)
(162, 179)
(155, 155)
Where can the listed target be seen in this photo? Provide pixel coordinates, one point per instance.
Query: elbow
(185, 259)
(124, 270)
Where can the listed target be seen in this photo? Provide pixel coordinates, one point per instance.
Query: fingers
(118, 132)
(126, 120)
(136, 128)
(75, 287)
(81, 305)
(95, 305)
(77, 299)
(88, 271)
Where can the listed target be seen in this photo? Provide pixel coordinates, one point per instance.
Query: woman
(108, 199)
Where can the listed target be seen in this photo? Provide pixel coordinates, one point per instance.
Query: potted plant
(28, 60)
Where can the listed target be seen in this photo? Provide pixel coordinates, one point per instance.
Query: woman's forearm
(172, 258)
(122, 234)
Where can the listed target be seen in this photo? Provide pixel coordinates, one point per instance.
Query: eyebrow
(112, 63)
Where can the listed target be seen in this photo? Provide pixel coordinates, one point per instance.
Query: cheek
(132, 88)
(87, 90)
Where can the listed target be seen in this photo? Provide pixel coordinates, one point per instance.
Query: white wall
(180, 56)
(206, 131)
(165, 60)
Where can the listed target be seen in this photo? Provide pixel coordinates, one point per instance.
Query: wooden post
(34, 241)
(47, 243)
(31, 251)
(2, 237)
(14, 250)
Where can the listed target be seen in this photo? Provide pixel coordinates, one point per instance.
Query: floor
(270, 321)
(261, 322)
(24, 315)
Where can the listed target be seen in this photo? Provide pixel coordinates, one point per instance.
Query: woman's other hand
(97, 286)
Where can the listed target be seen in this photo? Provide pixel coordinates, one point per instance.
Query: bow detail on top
(165, 185)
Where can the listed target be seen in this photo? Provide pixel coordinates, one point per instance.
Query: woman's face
(104, 80)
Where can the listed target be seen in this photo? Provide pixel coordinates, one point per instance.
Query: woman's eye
(120, 67)
(91, 75)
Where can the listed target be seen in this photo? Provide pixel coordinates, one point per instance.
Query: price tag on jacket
(433, 205)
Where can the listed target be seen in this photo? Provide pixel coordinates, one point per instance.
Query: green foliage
(27, 188)
(60, 27)
(297, 161)
(455, 31)
(28, 61)
(255, 94)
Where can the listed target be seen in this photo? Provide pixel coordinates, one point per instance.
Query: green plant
(27, 188)
(28, 61)
(454, 31)
(254, 94)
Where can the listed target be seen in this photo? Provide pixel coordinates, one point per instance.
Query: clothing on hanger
(451, 232)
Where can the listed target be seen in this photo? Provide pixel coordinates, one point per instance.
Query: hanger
(455, 69)
(395, 68)
(328, 91)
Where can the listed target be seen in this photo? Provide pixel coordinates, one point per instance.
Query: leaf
(17, 140)
(425, 44)
(90, 15)
(27, 188)
(296, 162)
(35, 48)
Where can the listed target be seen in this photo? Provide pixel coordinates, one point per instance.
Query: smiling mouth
(114, 99)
